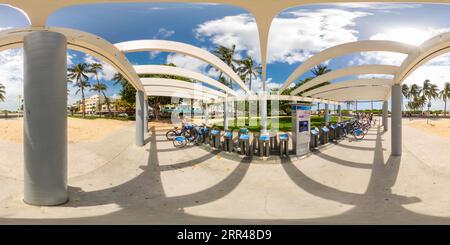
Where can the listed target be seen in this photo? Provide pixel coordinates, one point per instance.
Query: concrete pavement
(353, 182)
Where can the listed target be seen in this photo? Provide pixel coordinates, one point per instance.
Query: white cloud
(377, 6)
(293, 38)
(108, 71)
(11, 76)
(412, 36)
(188, 62)
(436, 70)
(163, 33)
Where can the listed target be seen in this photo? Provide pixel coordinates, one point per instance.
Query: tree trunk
(107, 104)
(445, 108)
(83, 103)
(250, 82)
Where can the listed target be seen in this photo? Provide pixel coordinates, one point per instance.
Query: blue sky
(296, 34)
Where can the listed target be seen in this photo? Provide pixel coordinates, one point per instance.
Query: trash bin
(228, 141)
(284, 145)
(314, 138)
(215, 138)
(273, 140)
(332, 132)
(244, 145)
(264, 145)
(324, 135)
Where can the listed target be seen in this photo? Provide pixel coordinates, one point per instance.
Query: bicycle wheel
(170, 135)
(180, 142)
(359, 134)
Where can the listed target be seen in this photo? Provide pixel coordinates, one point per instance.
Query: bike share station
(305, 139)
(301, 129)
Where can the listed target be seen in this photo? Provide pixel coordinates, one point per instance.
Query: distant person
(182, 119)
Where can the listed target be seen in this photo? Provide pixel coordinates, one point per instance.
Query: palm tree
(430, 91)
(227, 56)
(100, 88)
(414, 91)
(94, 69)
(444, 94)
(2, 92)
(405, 91)
(118, 78)
(318, 71)
(79, 73)
(249, 69)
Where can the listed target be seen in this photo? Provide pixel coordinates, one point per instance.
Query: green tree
(248, 69)
(127, 92)
(445, 95)
(100, 88)
(78, 73)
(227, 56)
(317, 71)
(405, 91)
(156, 101)
(430, 91)
(2, 92)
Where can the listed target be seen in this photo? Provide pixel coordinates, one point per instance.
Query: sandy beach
(78, 129)
(440, 127)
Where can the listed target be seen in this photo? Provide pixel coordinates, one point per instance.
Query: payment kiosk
(301, 126)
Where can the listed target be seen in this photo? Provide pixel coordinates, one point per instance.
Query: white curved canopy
(183, 48)
(344, 49)
(348, 71)
(169, 83)
(180, 95)
(356, 93)
(264, 11)
(428, 50)
(350, 83)
(80, 41)
(277, 97)
(178, 92)
(176, 71)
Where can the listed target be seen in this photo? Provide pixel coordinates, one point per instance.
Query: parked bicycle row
(245, 143)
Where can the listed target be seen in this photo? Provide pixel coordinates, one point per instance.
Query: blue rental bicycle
(171, 134)
(193, 136)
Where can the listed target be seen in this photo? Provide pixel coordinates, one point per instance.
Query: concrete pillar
(45, 118)
(385, 115)
(396, 120)
(340, 113)
(146, 116)
(140, 107)
(206, 114)
(225, 114)
(263, 113)
(327, 113)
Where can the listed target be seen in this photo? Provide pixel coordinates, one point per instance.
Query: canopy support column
(225, 114)
(45, 118)
(385, 115)
(146, 115)
(340, 113)
(140, 107)
(263, 113)
(206, 113)
(396, 120)
(327, 114)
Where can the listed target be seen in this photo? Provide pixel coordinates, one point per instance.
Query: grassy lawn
(284, 124)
